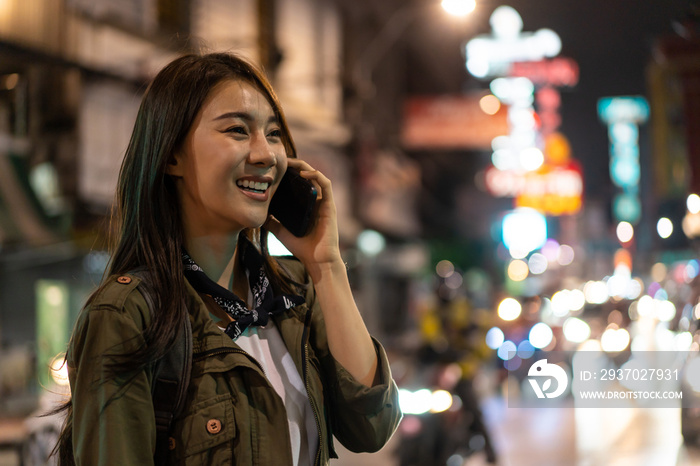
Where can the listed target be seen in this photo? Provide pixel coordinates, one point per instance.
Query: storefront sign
(450, 122)
(558, 72)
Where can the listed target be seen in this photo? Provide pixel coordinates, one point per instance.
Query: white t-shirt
(268, 348)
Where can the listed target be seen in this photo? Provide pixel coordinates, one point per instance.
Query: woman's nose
(262, 153)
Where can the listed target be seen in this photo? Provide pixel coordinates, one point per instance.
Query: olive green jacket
(232, 414)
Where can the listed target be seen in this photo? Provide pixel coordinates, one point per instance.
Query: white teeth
(257, 186)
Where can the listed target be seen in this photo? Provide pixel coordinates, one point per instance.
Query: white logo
(542, 369)
(287, 302)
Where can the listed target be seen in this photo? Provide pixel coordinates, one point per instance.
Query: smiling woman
(282, 361)
(230, 163)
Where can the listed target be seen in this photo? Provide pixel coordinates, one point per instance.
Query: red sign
(450, 122)
(558, 72)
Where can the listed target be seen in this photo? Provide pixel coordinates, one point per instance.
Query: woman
(274, 375)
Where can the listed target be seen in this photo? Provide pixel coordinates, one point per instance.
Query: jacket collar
(211, 337)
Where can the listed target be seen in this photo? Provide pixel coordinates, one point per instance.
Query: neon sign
(552, 190)
(560, 71)
(491, 55)
(555, 189)
(623, 115)
(541, 178)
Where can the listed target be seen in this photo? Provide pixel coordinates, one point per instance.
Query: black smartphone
(294, 202)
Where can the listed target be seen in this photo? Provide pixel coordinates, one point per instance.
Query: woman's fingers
(310, 173)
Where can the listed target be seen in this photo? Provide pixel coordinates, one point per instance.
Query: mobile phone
(293, 203)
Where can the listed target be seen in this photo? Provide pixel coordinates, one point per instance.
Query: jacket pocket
(205, 436)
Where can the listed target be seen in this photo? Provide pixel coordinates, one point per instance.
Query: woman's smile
(256, 188)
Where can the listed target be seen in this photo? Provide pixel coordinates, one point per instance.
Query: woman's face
(231, 162)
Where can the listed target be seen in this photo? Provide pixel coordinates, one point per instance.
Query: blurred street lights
(458, 7)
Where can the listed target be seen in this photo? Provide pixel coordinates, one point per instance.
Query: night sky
(612, 42)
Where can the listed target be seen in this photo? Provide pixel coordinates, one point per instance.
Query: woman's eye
(275, 133)
(236, 130)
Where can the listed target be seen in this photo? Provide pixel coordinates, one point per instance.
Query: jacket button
(213, 426)
(124, 280)
(171, 443)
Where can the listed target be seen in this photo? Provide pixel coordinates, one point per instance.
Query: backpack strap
(171, 376)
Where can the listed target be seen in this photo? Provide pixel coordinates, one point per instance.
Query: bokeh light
(661, 295)
(596, 292)
(454, 281)
(550, 250)
(576, 330)
(524, 229)
(537, 263)
(525, 349)
(518, 270)
(541, 335)
(653, 288)
(418, 402)
(692, 269)
(625, 232)
(495, 338)
(623, 257)
(459, 7)
(59, 370)
(683, 341)
(665, 311)
(634, 288)
(509, 309)
(664, 227)
(560, 303)
(444, 268)
(531, 158)
(507, 351)
(645, 306)
(371, 242)
(658, 272)
(490, 104)
(615, 340)
(693, 203)
(441, 401)
(518, 253)
(566, 255)
(576, 300)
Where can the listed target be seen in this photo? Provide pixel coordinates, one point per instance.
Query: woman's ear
(175, 165)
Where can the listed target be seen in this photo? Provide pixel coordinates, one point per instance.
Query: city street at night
(558, 437)
(504, 195)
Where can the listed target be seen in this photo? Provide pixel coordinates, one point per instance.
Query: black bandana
(264, 301)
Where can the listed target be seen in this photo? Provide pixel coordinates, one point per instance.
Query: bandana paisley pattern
(265, 303)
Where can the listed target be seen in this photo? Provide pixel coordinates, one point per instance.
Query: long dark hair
(146, 221)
